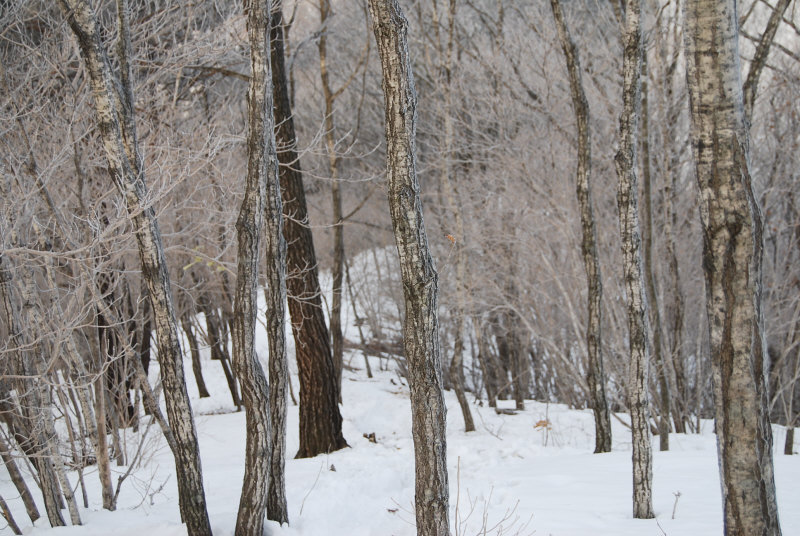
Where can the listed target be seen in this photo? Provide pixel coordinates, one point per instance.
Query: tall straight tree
(591, 262)
(113, 101)
(320, 419)
(262, 177)
(627, 195)
(420, 279)
(732, 263)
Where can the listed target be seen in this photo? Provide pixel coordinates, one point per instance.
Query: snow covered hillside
(529, 473)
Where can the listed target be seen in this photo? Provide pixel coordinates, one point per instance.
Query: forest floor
(532, 472)
(528, 473)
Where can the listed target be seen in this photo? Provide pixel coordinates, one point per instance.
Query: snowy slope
(525, 478)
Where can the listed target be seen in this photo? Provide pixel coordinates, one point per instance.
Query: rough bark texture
(320, 420)
(116, 125)
(261, 160)
(625, 161)
(420, 280)
(591, 263)
(275, 297)
(732, 262)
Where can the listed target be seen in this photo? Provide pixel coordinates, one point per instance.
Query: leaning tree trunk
(115, 117)
(591, 263)
(627, 193)
(420, 280)
(732, 262)
(320, 420)
(261, 164)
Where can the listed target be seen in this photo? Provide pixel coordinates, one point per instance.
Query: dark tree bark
(113, 102)
(262, 168)
(627, 194)
(420, 280)
(277, 509)
(591, 263)
(320, 420)
(732, 263)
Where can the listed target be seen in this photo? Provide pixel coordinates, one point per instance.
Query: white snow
(511, 476)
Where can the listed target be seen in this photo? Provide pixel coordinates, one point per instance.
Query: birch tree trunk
(591, 263)
(117, 130)
(420, 280)
(320, 420)
(627, 194)
(732, 262)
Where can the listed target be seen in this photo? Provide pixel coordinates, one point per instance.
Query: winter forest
(238, 238)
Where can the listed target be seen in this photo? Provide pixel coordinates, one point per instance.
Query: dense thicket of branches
(496, 160)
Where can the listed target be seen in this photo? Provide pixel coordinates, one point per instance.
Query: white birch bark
(627, 201)
(732, 262)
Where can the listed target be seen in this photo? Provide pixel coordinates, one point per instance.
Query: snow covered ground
(510, 475)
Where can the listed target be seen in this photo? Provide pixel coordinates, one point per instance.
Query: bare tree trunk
(336, 197)
(194, 349)
(591, 263)
(261, 168)
(357, 319)
(662, 373)
(276, 310)
(750, 86)
(219, 352)
(627, 194)
(320, 420)
(457, 362)
(6, 511)
(19, 481)
(669, 171)
(420, 280)
(117, 130)
(732, 262)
